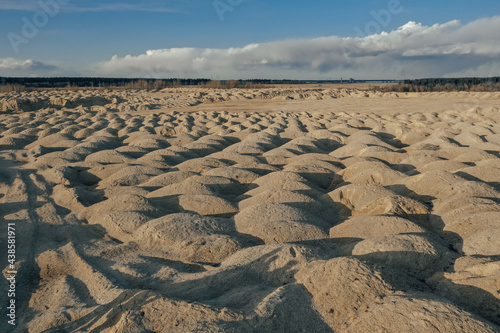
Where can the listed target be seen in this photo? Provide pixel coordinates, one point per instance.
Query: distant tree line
(133, 83)
(20, 84)
(448, 84)
(94, 82)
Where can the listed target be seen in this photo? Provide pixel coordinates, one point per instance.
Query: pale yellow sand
(270, 210)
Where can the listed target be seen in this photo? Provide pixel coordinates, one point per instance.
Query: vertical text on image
(11, 272)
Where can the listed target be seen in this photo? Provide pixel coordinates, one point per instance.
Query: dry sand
(271, 210)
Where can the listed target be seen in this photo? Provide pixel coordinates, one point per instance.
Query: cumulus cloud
(18, 67)
(413, 50)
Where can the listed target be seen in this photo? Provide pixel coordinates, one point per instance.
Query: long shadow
(305, 317)
(323, 180)
(470, 298)
(210, 288)
(485, 304)
(236, 287)
(408, 169)
(154, 264)
(391, 139)
(308, 320)
(495, 185)
(404, 191)
(494, 152)
(111, 310)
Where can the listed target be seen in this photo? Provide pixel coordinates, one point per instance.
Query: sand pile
(211, 221)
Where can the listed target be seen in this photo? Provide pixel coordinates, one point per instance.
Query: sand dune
(331, 212)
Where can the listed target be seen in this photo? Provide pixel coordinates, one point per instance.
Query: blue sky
(195, 38)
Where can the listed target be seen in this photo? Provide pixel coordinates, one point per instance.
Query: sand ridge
(135, 100)
(133, 216)
(106, 100)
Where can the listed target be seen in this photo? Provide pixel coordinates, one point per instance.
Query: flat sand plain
(269, 210)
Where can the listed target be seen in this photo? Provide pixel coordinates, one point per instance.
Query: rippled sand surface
(267, 210)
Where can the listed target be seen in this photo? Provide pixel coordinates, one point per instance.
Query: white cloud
(29, 67)
(413, 50)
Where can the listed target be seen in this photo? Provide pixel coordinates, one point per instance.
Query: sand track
(133, 217)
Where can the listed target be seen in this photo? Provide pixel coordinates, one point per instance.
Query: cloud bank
(411, 51)
(18, 67)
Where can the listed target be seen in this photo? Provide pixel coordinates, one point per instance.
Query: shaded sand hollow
(271, 210)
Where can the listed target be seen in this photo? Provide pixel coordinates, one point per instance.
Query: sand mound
(291, 198)
(108, 157)
(352, 297)
(190, 237)
(237, 174)
(276, 222)
(374, 226)
(207, 205)
(418, 254)
(130, 175)
(125, 202)
(471, 284)
(362, 200)
(169, 178)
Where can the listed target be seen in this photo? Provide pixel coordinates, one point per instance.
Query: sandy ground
(272, 210)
